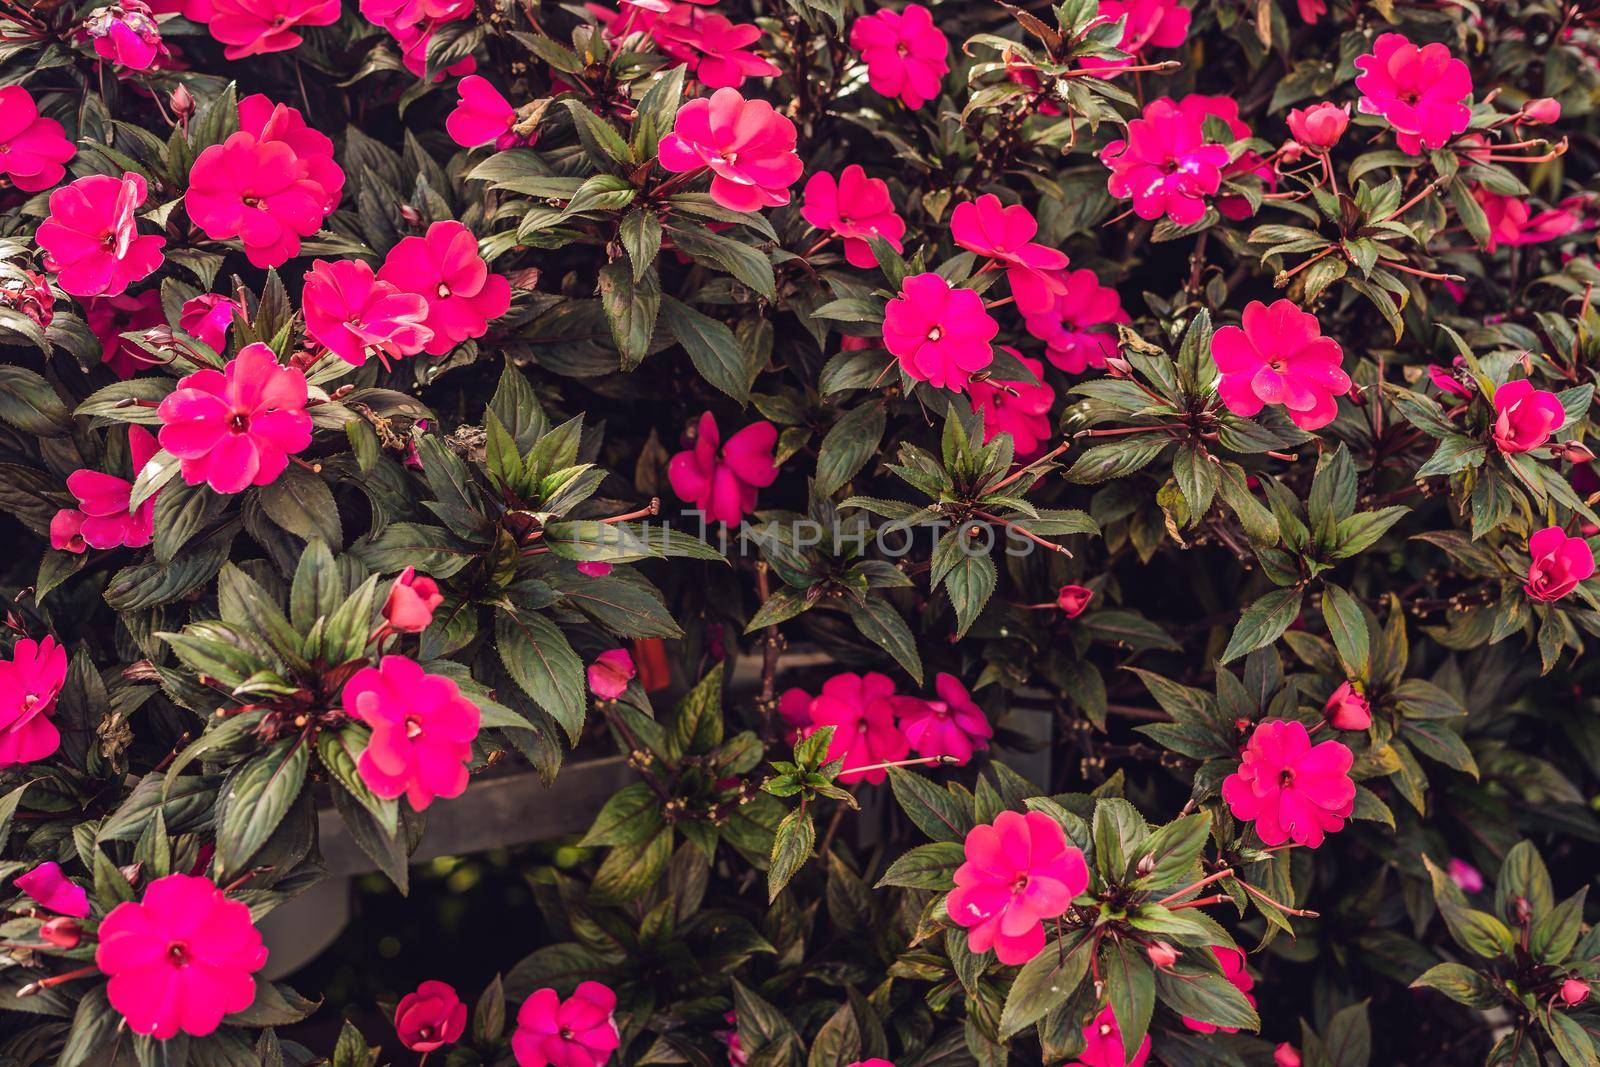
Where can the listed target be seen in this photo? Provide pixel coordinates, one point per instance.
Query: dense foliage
(400, 391)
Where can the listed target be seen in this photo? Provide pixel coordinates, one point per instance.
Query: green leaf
(712, 348)
(932, 808)
(255, 800)
(791, 847)
(1461, 984)
(1045, 982)
(1208, 998)
(1263, 622)
(1348, 628)
(541, 661)
(849, 444)
(925, 867)
(631, 306)
(881, 624)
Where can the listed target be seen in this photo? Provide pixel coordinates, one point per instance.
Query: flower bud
(1319, 126)
(1466, 877)
(1574, 452)
(62, 932)
(1541, 111)
(181, 101)
(1073, 600)
(1574, 991)
(1347, 708)
(412, 599)
(1162, 955)
(1285, 1055)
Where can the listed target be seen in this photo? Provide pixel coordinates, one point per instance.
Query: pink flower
(1226, 108)
(1525, 417)
(905, 54)
(481, 115)
(125, 32)
(876, 1061)
(102, 518)
(445, 269)
(181, 958)
(1467, 878)
(29, 683)
(1018, 872)
(577, 1032)
(610, 673)
(794, 708)
(1019, 409)
(748, 146)
(1451, 382)
(1290, 788)
(1233, 969)
(1512, 221)
(1574, 991)
(1104, 1044)
(721, 479)
(940, 335)
(33, 149)
(413, 598)
(110, 317)
(713, 49)
(61, 932)
(422, 731)
(1280, 357)
(1080, 331)
(861, 708)
(91, 239)
(430, 1018)
(1161, 955)
(1542, 111)
(1020, 72)
(953, 725)
(593, 569)
(737, 1056)
(1286, 1055)
(1419, 90)
(256, 27)
(856, 208)
(237, 427)
(269, 184)
(353, 315)
(207, 318)
(47, 885)
(1319, 126)
(1151, 24)
(1073, 600)
(1347, 708)
(1559, 563)
(1005, 234)
(392, 14)
(29, 294)
(413, 41)
(1165, 164)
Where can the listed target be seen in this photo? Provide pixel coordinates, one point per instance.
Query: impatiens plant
(798, 534)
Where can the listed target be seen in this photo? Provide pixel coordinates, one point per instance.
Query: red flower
(412, 600)
(445, 269)
(1286, 1055)
(1019, 871)
(906, 55)
(577, 1032)
(33, 149)
(1513, 222)
(102, 518)
(1075, 331)
(713, 49)
(1525, 417)
(1319, 126)
(353, 315)
(1347, 708)
(940, 335)
(430, 1018)
(721, 479)
(110, 317)
(256, 27)
(856, 208)
(1151, 24)
(181, 958)
(53, 892)
(1290, 788)
(1280, 357)
(207, 318)
(952, 725)
(481, 116)
(1559, 563)
(125, 32)
(1542, 111)
(1073, 600)
(1018, 409)
(91, 239)
(28, 292)
(1165, 164)
(1005, 234)
(1103, 1044)
(1419, 90)
(422, 731)
(861, 708)
(748, 146)
(1574, 991)
(30, 681)
(1233, 969)
(610, 673)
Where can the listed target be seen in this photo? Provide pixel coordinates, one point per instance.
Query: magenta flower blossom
(181, 958)
(208, 318)
(1103, 1044)
(125, 32)
(1018, 409)
(1513, 222)
(47, 885)
(1289, 788)
(1279, 356)
(237, 427)
(1559, 563)
(481, 116)
(1320, 126)
(1234, 970)
(1201, 106)
(414, 41)
(1165, 164)
(354, 315)
(1005, 234)
(1574, 991)
(1019, 871)
(940, 335)
(906, 55)
(861, 709)
(269, 184)
(1080, 331)
(748, 147)
(430, 1018)
(392, 14)
(721, 479)
(422, 731)
(33, 149)
(610, 673)
(577, 1032)
(412, 600)
(29, 294)
(110, 317)
(1348, 708)
(1525, 417)
(444, 268)
(716, 51)
(1073, 600)
(1467, 878)
(91, 239)
(102, 518)
(30, 681)
(855, 207)
(1286, 1055)
(1151, 24)
(953, 725)
(1418, 90)
(256, 27)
